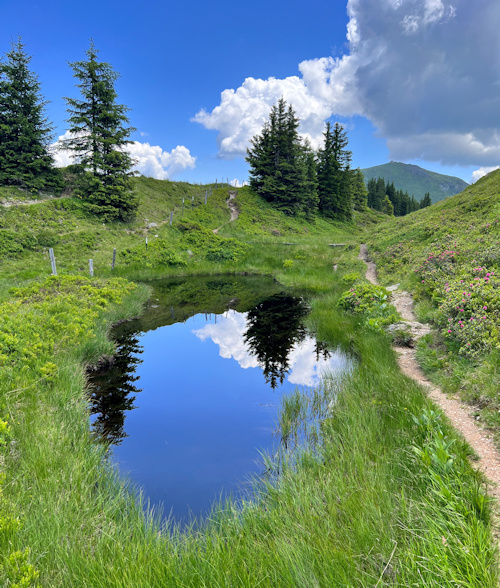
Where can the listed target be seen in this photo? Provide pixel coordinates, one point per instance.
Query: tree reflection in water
(274, 327)
(112, 390)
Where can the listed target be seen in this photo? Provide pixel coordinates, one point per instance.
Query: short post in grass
(91, 268)
(114, 259)
(171, 217)
(192, 201)
(146, 243)
(52, 262)
(182, 213)
(206, 196)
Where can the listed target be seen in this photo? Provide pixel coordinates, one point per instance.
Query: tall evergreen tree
(359, 191)
(387, 206)
(310, 181)
(426, 201)
(100, 131)
(25, 132)
(334, 177)
(372, 192)
(276, 161)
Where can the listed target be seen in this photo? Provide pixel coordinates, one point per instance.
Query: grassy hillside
(416, 180)
(449, 256)
(379, 493)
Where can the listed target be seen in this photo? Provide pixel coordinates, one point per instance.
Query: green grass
(448, 255)
(381, 492)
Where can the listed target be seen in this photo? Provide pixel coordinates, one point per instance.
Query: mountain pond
(189, 404)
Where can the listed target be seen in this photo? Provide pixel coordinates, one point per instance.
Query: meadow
(381, 493)
(449, 256)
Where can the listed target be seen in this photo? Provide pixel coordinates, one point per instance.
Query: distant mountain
(416, 180)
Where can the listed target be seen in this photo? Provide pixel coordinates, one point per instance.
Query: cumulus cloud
(237, 184)
(150, 160)
(305, 369)
(481, 172)
(425, 72)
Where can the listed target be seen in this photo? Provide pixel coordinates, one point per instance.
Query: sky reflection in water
(205, 395)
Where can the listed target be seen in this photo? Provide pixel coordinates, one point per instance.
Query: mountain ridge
(416, 180)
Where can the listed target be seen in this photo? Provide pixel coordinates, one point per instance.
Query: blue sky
(412, 80)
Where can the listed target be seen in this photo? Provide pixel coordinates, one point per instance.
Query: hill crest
(416, 180)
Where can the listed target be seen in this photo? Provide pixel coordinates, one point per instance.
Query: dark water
(191, 400)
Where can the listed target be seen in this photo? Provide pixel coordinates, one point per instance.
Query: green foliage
(226, 250)
(99, 131)
(25, 133)
(350, 279)
(19, 572)
(282, 171)
(335, 179)
(367, 299)
(415, 180)
(448, 255)
(359, 191)
(159, 252)
(11, 243)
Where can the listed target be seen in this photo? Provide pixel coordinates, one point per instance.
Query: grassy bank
(381, 494)
(449, 257)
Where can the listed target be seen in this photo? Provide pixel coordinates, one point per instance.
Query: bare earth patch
(456, 411)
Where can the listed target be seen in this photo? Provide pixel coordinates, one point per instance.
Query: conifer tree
(276, 161)
(334, 177)
(426, 201)
(387, 207)
(25, 132)
(100, 131)
(310, 181)
(359, 191)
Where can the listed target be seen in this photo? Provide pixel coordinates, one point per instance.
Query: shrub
(350, 279)
(371, 301)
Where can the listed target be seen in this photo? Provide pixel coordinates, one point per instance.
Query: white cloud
(305, 370)
(228, 334)
(482, 171)
(424, 72)
(237, 184)
(150, 160)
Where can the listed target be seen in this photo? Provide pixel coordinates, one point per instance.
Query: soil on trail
(456, 411)
(232, 207)
(9, 203)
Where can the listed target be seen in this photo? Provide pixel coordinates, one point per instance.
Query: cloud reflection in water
(305, 367)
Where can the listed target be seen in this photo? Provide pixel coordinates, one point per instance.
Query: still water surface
(190, 402)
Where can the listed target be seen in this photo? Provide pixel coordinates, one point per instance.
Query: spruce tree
(25, 132)
(387, 207)
(100, 132)
(372, 192)
(334, 177)
(359, 191)
(276, 163)
(310, 181)
(426, 201)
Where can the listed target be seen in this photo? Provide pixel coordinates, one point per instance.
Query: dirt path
(232, 207)
(458, 413)
(9, 203)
